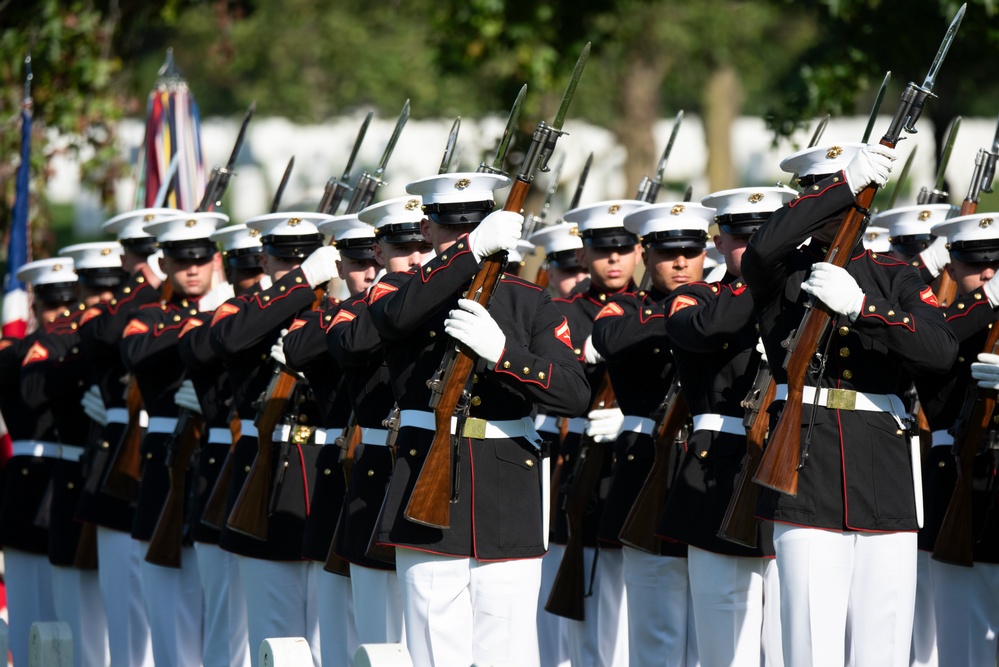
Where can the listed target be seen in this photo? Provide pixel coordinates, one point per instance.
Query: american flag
(16, 307)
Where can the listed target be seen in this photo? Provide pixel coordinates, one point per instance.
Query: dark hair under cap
(608, 237)
(189, 249)
(675, 238)
(459, 213)
(109, 276)
(145, 245)
(400, 233)
(357, 248)
(563, 259)
(975, 252)
(55, 292)
(288, 246)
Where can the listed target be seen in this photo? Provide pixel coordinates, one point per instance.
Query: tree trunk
(640, 108)
(722, 102)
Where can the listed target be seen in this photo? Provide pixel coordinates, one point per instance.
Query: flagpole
(16, 313)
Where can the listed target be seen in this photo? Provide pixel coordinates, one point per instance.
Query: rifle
(123, 474)
(168, 536)
(336, 189)
(85, 557)
(784, 454)
(250, 514)
(541, 279)
(648, 189)
(639, 528)
(347, 442)
(276, 202)
(213, 514)
(981, 181)
(429, 503)
(739, 525)
(567, 595)
(955, 543)
(364, 191)
(221, 176)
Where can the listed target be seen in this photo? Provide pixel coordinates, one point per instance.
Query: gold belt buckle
(474, 428)
(301, 434)
(841, 399)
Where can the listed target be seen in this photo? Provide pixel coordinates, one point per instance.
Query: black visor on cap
(189, 249)
(675, 238)
(812, 179)
(910, 245)
(459, 213)
(400, 233)
(297, 246)
(140, 246)
(103, 277)
(741, 224)
(55, 292)
(244, 258)
(363, 248)
(609, 237)
(974, 252)
(563, 259)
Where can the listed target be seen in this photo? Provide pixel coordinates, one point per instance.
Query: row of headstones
(51, 645)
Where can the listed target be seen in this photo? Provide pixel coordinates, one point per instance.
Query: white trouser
(773, 648)
(225, 607)
(660, 614)
(78, 603)
(924, 623)
(175, 609)
(727, 594)
(118, 559)
(29, 597)
(828, 577)
(601, 639)
(377, 605)
(553, 633)
(967, 606)
(280, 602)
(335, 616)
(459, 611)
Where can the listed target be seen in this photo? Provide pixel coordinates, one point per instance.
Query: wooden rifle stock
(213, 514)
(778, 468)
(348, 444)
(430, 502)
(86, 547)
(249, 516)
(955, 543)
(639, 528)
(739, 525)
(543, 277)
(123, 474)
(567, 597)
(168, 536)
(947, 288)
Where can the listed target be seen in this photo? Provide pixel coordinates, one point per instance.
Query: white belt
(374, 436)
(577, 425)
(546, 424)
(120, 416)
(941, 438)
(35, 448)
(219, 436)
(71, 453)
(319, 435)
(475, 428)
(161, 425)
(847, 399)
(710, 421)
(247, 428)
(636, 424)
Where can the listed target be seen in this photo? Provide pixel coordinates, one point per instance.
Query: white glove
(153, 262)
(991, 289)
(265, 282)
(93, 405)
(871, 165)
(277, 349)
(986, 370)
(470, 323)
(762, 350)
(604, 424)
(590, 354)
(320, 266)
(215, 297)
(186, 397)
(936, 256)
(836, 288)
(500, 230)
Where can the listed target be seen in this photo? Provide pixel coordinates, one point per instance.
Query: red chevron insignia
(380, 289)
(190, 324)
(134, 327)
(342, 316)
(89, 314)
(681, 302)
(562, 333)
(297, 324)
(929, 297)
(224, 311)
(4, 344)
(610, 310)
(36, 352)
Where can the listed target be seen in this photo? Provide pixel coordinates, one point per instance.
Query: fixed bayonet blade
(819, 130)
(552, 188)
(661, 167)
(949, 138)
(231, 164)
(948, 39)
(452, 140)
(401, 123)
(995, 139)
(357, 146)
(689, 193)
(876, 108)
(582, 182)
(284, 183)
(902, 176)
(570, 90)
(508, 131)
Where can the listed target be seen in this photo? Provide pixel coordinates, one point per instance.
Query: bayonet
(902, 175)
(578, 194)
(985, 170)
(221, 175)
(532, 222)
(876, 108)
(648, 189)
(938, 195)
(452, 140)
(689, 193)
(511, 127)
(364, 191)
(393, 140)
(276, 202)
(819, 131)
(335, 190)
